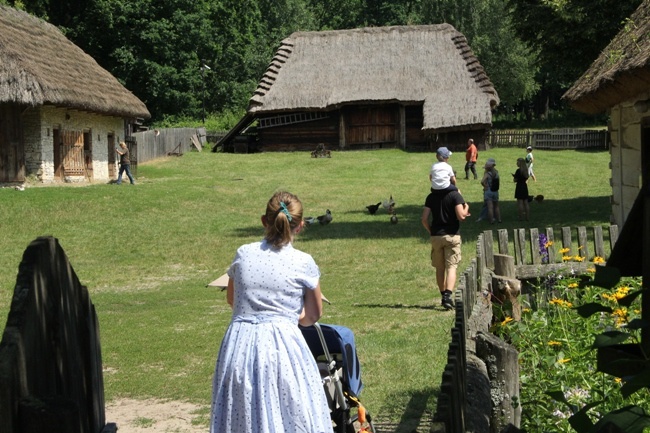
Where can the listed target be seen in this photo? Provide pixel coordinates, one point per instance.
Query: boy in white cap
(441, 175)
(529, 162)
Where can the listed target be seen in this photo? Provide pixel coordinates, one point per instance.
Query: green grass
(146, 253)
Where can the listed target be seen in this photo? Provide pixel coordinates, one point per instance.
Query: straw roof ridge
(41, 66)
(621, 71)
(429, 64)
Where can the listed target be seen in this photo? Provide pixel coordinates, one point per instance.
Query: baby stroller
(336, 355)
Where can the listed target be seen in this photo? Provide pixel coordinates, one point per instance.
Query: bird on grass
(310, 220)
(393, 218)
(325, 219)
(389, 204)
(373, 208)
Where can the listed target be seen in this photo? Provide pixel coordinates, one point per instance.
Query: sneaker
(446, 301)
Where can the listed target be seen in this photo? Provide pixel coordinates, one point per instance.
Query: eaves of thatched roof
(622, 70)
(430, 64)
(40, 66)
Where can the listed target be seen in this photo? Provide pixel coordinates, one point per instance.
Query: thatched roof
(41, 66)
(622, 70)
(430, 64)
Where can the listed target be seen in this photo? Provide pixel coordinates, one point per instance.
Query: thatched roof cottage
(62, 113)
(409, 87)
(618, 82)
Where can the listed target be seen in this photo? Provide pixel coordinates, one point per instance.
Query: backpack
(494, 186)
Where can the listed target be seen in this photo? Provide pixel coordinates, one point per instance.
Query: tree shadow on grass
(579, 211)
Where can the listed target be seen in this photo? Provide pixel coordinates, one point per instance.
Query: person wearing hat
(491, 185)
(441, 216)
(529, 162)
(441, 175)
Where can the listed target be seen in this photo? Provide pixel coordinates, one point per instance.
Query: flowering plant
(565, 385)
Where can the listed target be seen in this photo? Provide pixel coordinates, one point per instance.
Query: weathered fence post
(505, 285)
(501, 360)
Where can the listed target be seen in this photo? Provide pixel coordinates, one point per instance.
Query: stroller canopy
(339, 340)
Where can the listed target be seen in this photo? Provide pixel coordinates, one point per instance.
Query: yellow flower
(598, 259)
(609, 297)
(620, 314)
(573, 285)
(566, 258)
(561, 303)
(578, 258)
(591, 270)
(564, 360)
(554, 343)
(564, 250)
(618, 380)
(526, 310)
(548, 244)
(506, 321)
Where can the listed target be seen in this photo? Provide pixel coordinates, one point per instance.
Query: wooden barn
(618, 82)
(61, 114)
(407, 87)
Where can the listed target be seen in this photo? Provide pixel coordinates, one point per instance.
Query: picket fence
(531, 261)
(552, 139)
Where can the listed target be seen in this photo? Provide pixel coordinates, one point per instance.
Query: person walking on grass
(520, 177)
(441, 216)
(491, 183)
(529, 162)
(125, 163)
(266, 378)
(471, 155)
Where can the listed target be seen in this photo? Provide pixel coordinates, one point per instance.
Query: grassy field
(146, 253)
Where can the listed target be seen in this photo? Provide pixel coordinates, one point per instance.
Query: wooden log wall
(50, 357)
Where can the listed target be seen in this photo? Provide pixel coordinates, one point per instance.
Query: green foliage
(564, 387)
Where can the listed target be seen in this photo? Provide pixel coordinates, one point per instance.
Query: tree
(488, 27)
(568, 36)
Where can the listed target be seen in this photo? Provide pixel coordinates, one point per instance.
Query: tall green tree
(488, 27)
(568, 36)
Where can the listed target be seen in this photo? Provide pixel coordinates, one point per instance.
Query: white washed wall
(39, 123)
(625, 133)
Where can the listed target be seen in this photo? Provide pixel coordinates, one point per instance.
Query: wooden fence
(552, 139)
(50, 358)
(157, 143)
(451, 411)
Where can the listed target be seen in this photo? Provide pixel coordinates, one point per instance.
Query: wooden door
(372, 126)
(12, 150)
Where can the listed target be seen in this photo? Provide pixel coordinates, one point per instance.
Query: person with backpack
(491, 185)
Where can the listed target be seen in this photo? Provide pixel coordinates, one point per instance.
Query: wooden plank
(599, 245)
(520, 246)
(583, 247)
(613, 236)
(566, 239)
(535, 247)
(503, 241)
(550, 238)
(195, 142)
(488, 249)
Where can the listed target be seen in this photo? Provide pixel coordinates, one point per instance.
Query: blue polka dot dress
(266, 379)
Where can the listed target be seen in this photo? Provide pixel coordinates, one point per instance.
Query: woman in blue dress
(266, 379)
